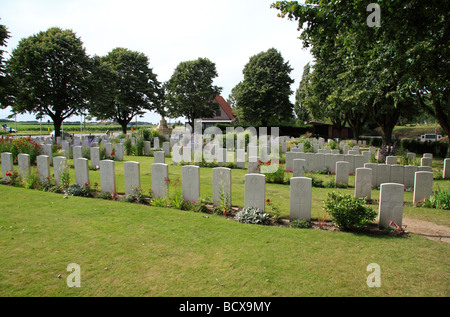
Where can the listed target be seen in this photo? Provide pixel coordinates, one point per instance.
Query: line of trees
(378, 62)
(50, 74)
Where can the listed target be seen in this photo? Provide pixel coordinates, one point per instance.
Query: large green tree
(50, 74)
(126, 86)
(190, 92)
(385, 66)
(263, 97)
(4, 36)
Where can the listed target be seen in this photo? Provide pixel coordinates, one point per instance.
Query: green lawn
(126, 249)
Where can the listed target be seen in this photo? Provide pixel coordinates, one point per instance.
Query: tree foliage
(4, 83)
(378, 69)
(190, 92)
(50, 75)
(126, 86)
(263, 96)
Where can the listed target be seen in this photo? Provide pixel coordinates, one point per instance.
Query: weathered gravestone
(108, 177)
(119, 152)
(160, 179)
(222, 186)
(446, 173)
(7, 164)
(363, 183)
(190, 176)
(423, 186)
(299, 166)
(59, 165)
(132, 174)
(81, 171)
(391, 205)
(255, 191)
(409, 176)
(300, 198)
(397, 173)
(43, 167)
(95, 157)
(23, 160)
(159, 157)
(383, 173)
(342, 171)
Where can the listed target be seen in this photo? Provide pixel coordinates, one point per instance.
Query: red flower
(268, 200)
(86, 184)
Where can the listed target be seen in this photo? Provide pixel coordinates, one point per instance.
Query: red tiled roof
(225, 106)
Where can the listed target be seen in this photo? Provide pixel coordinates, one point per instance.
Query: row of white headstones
(391, 194)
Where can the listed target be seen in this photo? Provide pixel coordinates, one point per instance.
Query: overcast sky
(228, 32)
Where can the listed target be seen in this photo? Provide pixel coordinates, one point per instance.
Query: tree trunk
(57, 122)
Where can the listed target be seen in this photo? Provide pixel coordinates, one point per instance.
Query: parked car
(8, 129)
(429, 137)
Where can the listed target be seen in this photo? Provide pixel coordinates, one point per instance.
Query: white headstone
(47, 150)
(240, 158)
(374, 168)
(81, 171)
(59, 165)
(427, 161)
(391, 204)
(119, 152)
(391, 160)
(423, 186)
(299, 165)
(397, 174)
(255, 191)
(95, 157)
(409, 176)
(108, 149)
(132, 175)
(108, 177)
(166, 148)
(77, 153)
(221, 186)
(159, 157)
(43, 167)
(156, 143)
(383, 173)
(446, 173)
(342, 171)
(7, 164)
(253, 165)
(300, 198)
(23, 161)
(363, 183)
(160, 179)
(190, 176)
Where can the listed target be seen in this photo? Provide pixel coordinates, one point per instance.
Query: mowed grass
(126, 249)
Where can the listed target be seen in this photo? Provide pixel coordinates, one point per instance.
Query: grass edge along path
(126, 249)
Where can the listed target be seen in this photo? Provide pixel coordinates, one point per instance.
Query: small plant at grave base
(32, 181)
(395, 230)
(81, 190)
(321, 220)
(159, 202)
(199, 206)
(224, 207)
(136, 196)
(347, 212)
(64, 178)
(274, 211)
(105, 196)
(300, 223)
(14, 178)
(252, 215)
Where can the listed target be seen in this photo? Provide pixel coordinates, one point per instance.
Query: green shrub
(136, 196)
(347, 212)
(300, 223)
(252, 216)
(82, 191)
